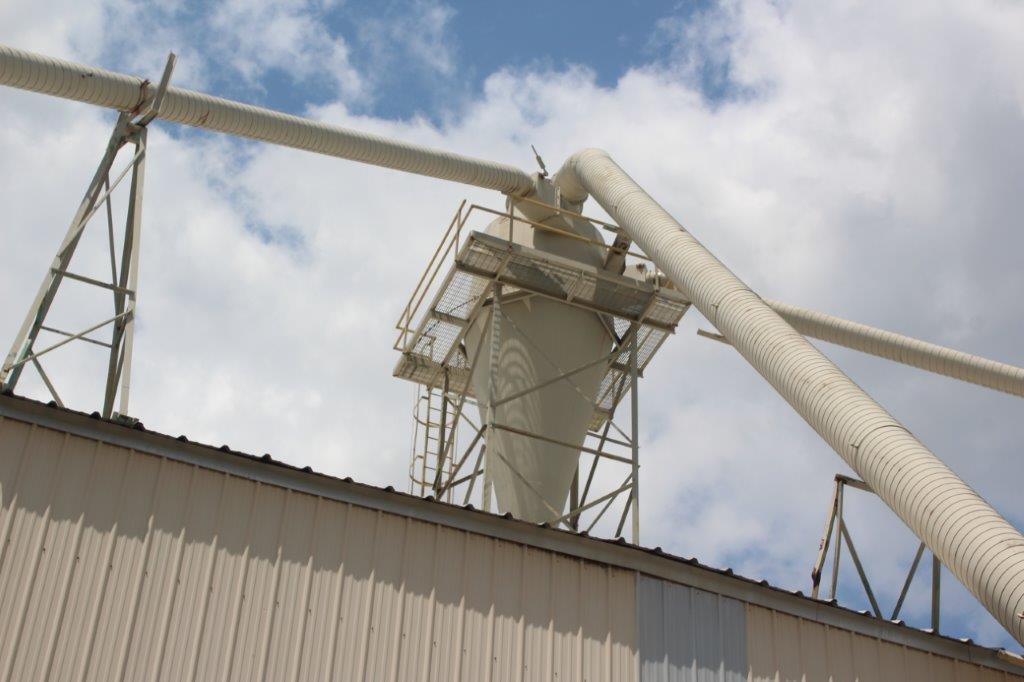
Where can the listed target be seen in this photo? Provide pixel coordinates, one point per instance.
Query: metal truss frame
(443, 486)
(129, 131)
(837, 531)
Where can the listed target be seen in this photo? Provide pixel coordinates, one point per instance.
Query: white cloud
(868, 167)
(290, 36)
(230, 38)
(62, 29)
(424, 31)
(416, 36)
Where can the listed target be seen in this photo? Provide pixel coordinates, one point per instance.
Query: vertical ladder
(429, 413)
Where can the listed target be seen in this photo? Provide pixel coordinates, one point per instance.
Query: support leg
(574, 499)
(119, 367)
(634, 497)
(492, 393)
(826, 537)
(839, 544)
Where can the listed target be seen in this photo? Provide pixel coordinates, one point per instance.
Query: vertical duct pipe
(981, 549)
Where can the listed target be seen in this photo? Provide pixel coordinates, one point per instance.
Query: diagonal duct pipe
(909, 351)
(981, 549)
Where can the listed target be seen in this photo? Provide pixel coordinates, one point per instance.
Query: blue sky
(608, 38)
(855, 158)
(471, 39)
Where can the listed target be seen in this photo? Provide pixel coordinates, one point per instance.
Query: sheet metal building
(132, 555)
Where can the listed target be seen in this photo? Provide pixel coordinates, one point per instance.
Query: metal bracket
(540, 162)
(153, 109)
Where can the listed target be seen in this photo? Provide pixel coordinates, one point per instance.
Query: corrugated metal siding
(115, 564)
(688, 634)
(781, 648)
(120, 565)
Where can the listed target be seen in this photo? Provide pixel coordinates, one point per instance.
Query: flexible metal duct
(904, 349)
(984, 551)
(28, 71)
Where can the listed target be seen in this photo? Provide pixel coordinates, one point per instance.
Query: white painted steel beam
(984, 551)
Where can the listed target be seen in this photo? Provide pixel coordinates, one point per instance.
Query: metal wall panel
(116, 564)
(782, 648)
(688, 634)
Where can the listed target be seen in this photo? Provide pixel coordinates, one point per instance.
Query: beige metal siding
(782, 648)
(689, 635)
(185, 562)
(121, 565)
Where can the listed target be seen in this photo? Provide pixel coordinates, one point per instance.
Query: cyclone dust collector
(544, 326)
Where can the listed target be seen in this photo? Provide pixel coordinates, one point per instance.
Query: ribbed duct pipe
(28, 71)
(984, 551)
(904, 349)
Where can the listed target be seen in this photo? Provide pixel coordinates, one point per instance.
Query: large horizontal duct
(28, 71)
(904, 349)
(981, 549)
(984, 551)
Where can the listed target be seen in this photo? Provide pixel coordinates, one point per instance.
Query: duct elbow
(567, 179)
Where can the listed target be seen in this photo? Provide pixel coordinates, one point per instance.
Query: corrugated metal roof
(614, 552)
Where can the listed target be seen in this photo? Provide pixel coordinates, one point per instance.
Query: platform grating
(438, 339)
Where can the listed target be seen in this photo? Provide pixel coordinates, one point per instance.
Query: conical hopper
(538, 340)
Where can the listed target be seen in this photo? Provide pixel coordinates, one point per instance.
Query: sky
(862, 159)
